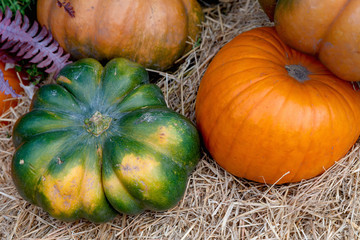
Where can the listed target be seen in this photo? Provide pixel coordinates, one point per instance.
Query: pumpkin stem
(97, 124)
(298, 72)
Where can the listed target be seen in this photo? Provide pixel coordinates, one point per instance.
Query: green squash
(102, 141)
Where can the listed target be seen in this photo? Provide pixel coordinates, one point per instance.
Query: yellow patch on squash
(164, 135)
(63, 194)
(116, 189)
(64, 79)
(76, 190)
(141, 171)
(91, 191)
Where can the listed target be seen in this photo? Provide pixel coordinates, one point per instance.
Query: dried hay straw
(216, 205)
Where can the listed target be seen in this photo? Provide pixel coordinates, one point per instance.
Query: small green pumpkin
(100, 141)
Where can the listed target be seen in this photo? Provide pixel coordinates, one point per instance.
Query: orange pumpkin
(329, 29)
(154, 33)
(269, 113)
(9, 92)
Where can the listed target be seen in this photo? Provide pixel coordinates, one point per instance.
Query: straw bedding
(216, 204)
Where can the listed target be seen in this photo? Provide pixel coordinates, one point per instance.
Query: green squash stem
(97, 124)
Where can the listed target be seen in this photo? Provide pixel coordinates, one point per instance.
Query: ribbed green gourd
(102, 141)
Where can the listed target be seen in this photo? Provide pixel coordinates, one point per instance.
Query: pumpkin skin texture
(153, 33)
(13, 81)
(100, 141)
(310, 27)
(271, 114)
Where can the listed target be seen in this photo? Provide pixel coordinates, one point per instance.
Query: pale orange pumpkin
(154, 33)
(9, 93)
(329, 29)
(269, 113)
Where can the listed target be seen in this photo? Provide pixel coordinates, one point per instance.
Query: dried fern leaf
(28, 42)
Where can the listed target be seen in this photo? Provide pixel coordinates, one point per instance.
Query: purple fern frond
(6, 88)
(27, 42)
